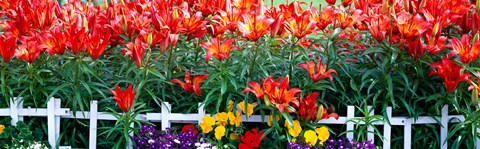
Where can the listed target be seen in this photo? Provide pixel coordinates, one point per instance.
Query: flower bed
(296, 62)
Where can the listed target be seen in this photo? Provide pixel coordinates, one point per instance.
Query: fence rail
(54, 113)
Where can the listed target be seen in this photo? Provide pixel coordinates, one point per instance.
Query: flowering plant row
(295, 62)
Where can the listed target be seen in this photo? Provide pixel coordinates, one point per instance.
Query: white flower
(151, 141)
(197, 144)
(214, 147)
(176, 141)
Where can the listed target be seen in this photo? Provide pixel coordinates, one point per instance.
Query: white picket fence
(54, 113)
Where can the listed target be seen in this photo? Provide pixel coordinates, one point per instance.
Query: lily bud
(266, 100)
(475, 96)
(320, 112)
(435, 29)
(175, 13)
(476, 38)
(406, 5)
(422, 4)
(149, 39)
(477, 6)
(385, 7)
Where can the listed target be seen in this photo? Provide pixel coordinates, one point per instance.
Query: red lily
(136, 50)
(56, 41)
(320, 73)
(308, 107)
(96, 43)
(449, 72)
(254, 27)
(219, 50)
(415, 48)
(190, 86)
(467, 52)
(125, 98)
(76, 39)
(347, 3)
(31, 48)
(255, 89)
(279, 94)
(7, 50)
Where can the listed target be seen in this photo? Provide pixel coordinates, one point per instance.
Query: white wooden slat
(92, 140)
(201, 111)
(14, 106)
(387, 129)
(444, 128)
(370, 129)
(350, 125)
(478, 139)
(51, 122)
(57, 118)
(165, 115)
(407, 135)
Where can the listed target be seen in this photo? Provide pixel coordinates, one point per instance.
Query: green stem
(4, 85)
(169, 71)
(290, 58)
(252, 65)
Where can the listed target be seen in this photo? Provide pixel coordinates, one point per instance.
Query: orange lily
(255, 89)
(56, 41)
(254, 28)
(190, 86)
(31, 48)
(449, 72)
(467, 52)
(125, 98)
(279, 94)
(320, 73)
(7, 50)
(194, 26)
(411, 26)
(96, 43)
(219, 50)
(300, 25)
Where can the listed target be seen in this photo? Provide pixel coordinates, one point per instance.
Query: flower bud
(477, 6)
(149, 39)
(435, 29)
(476, 38)
(320, 112)
(175, 13)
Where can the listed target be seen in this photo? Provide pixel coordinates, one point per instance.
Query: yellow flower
(1, 129)
(270, 120)
(233, 136)
(296, 128)
(222, 118)
(230, 105)
(219, 132)
(323, 134)
(234, 120)
(206, 125)
(241, 106)
(310, 137)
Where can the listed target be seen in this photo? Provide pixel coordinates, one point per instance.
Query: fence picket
(93, 125)
(371, 135)
(350, 125)
(444, 128)
(407, 136)
(14, 106)
(201, 112)
(51, 122)
(165, 115)
(387, 129)
(478, 139)
(57, 118)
